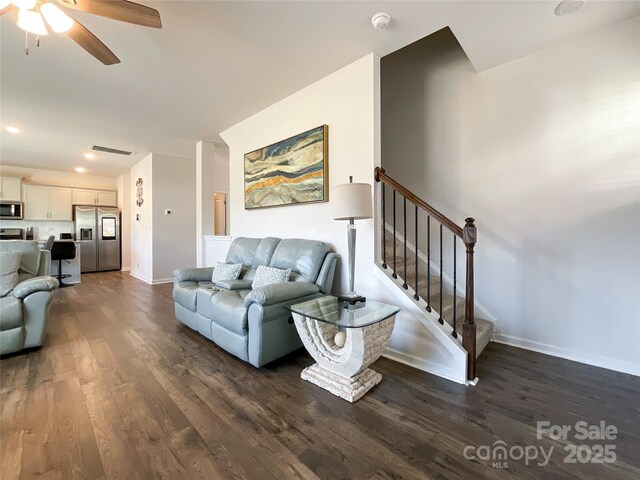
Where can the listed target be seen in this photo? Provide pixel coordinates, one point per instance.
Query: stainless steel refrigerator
(98, 231)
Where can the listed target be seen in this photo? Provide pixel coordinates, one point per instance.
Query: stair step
(484, 328)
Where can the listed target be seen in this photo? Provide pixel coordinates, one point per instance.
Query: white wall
(142, 221)
(345, 102)
(545, 153)
(174, 236)
(124, 203)
(161, 243)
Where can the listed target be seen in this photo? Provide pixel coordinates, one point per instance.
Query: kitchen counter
(71, 267)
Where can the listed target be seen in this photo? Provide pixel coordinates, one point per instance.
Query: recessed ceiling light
(80, 170)
(90, 156)
(13, 130)
(567, 7)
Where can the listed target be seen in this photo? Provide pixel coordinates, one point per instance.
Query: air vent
(115, 151)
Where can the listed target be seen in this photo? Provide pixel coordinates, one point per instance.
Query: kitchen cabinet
(105, 198)
(43, 202)
(10, 189)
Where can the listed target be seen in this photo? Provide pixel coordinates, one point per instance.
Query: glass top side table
(343, 370)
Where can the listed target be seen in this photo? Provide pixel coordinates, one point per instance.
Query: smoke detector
(380, 20)
(567, 7)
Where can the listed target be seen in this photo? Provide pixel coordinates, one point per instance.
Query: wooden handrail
(468, 235)
(381, 176)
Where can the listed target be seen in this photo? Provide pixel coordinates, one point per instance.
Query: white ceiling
(216, 63)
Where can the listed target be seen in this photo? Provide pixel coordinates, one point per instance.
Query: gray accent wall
(544, 152)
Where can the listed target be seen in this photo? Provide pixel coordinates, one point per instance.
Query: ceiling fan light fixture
(31, 22)
(25, 4)
(59, 21)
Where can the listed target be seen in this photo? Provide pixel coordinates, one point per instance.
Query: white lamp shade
(351, 200)
(59, 21)
(31, 22)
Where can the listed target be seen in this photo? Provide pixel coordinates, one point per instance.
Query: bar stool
(63, 250)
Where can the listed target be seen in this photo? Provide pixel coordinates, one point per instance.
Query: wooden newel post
(469, 328)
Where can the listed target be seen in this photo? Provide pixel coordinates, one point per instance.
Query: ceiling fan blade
(121, 10)
(87, 40)
(6, 9)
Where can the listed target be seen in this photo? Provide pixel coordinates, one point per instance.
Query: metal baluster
(455, 298)
(404, 274)
(429, 263)
(384, 231)
(416, 295)
(441, 320)
(395, 270)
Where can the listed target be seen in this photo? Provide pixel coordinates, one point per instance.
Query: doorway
(220, 213)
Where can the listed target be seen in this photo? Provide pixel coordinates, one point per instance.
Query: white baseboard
(595, 360)
(125, 269)
(150, 281)
(438, 369)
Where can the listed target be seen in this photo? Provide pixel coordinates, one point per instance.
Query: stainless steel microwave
(11, 210)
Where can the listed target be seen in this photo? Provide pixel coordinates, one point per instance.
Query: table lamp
(352, 201)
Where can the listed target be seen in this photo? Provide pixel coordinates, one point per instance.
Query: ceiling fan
(31, 16)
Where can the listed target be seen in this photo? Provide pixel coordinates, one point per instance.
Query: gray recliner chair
(254, 324)
(24, 312)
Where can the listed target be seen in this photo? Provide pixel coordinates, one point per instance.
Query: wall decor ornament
(290, 172)
(139, 199)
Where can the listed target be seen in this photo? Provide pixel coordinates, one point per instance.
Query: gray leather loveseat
(253, 324)
(24, 312)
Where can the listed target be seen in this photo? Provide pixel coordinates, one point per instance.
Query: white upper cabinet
(42, 202)
(106, 198)
(36, 202)
(49, 202)
(84, 197)
(10, 189)
(60, 203)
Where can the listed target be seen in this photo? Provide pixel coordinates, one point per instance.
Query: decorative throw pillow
(268, 275)
(226, 271)
(9, 266)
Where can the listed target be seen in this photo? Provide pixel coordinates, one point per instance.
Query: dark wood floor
(122, 390)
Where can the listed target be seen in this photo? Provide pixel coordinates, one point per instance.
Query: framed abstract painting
(293, 171)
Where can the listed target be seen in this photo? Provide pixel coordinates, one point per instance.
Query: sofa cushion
(10, 313)
(203, 300)
(264, 251)
(270, 275)
(185, 293)
(242, 250)
(29, 256)
(303, 257)
(226, 271)
(9, 266)
(234, 284)
(228, 310)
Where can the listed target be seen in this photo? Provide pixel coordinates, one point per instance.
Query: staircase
(417, 242)
(484, 328)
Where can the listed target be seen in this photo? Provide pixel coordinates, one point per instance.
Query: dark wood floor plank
(81, 457)
(41, 434)
(121, 389)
